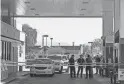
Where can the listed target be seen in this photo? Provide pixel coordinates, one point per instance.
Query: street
(63, 78)
(59, 79)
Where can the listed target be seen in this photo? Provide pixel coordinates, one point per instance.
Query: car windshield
(55, 57)
(43, 61)
(64, 58)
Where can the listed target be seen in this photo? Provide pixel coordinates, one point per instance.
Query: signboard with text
(120, 74)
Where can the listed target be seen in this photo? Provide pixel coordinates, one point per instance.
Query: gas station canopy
(37, 8)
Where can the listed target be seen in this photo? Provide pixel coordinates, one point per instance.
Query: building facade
(10, 41)
(70, 50)
(9, 45)
(31, 36)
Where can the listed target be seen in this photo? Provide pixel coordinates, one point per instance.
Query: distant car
(58, 62)
(42, 66)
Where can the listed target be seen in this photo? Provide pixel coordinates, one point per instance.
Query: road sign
(120, 74)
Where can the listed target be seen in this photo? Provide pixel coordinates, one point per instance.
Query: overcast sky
(65, 30)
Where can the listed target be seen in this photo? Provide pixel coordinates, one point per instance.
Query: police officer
(98, 64)
(89, 73)
(80, 62)
(72, 67)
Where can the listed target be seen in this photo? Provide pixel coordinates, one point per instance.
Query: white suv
(58, 62)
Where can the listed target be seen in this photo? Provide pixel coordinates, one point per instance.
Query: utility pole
(51, 41)
(44, 47)
(59, 44)
(42, 41)
(91, 47)
(73, 47)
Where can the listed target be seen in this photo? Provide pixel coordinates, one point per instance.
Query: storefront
(9, 49)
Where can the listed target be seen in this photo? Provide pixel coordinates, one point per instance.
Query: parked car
(58, 62)
(42, 66)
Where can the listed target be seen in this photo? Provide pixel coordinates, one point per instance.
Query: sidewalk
(13, 77)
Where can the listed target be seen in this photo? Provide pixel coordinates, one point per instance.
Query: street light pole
(81, 49)
(73, 47)
(46, 38)
(46, 41)
(91, 47)
(44, 48)
(51, 41)
(42, 41)
(59, 44)
(43, 45)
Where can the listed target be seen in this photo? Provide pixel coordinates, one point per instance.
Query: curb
(25, 74)
(15, 78)
(10, 81)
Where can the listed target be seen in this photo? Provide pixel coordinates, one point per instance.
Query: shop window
(20, 54)
(2, 49)
(6, 50)
(20, 51)
(9, 51)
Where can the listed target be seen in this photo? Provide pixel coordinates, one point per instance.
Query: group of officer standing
(81, 63)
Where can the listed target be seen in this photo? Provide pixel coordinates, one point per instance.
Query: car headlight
(50, 67)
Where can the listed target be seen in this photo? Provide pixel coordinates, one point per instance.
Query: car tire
(31, 75)
(61, 70)
(52, 74)
(67, 70)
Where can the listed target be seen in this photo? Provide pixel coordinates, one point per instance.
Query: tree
(97, 46)
(85, 48)
(31, 36)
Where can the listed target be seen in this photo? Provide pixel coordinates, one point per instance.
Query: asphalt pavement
(63, 78)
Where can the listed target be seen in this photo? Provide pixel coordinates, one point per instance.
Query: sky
(64, 30)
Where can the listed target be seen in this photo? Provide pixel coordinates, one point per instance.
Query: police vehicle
(42, 66)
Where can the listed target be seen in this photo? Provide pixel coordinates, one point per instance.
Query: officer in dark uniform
(72, 67)
(89, 73)
(80, 61)
(98, 64)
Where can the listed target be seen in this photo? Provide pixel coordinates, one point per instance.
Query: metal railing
(113, 73)
(84, 64)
